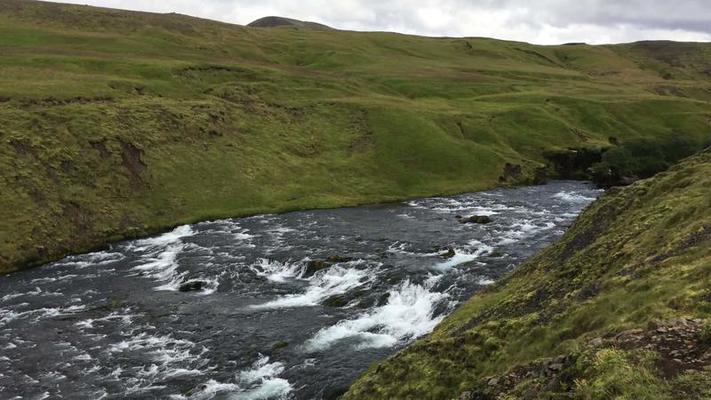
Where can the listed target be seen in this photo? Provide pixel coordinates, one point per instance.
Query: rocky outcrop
(681, 344)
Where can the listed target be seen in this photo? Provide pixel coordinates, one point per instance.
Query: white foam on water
(262, 381)
(408, 314)
(573, 197)
(164, 267)
(169, 358)
(162, 252)
(462, 257)
(7, 316)
(97, 258)
(243, 236)
(208, 391)
(82, 357)
(49, 279)
(273, 388)
(261, 369)
(163, 240)
(11, 296)
(124, 316)
(484, 281)
(400, 248)
(457, 259)
(471, 205)
(277, 271)
(333, 281)
(406, 216)
(521, 230)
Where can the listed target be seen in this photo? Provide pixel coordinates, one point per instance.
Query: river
(290, 306)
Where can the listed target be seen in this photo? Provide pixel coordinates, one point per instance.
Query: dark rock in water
(383, 298)
(337, 301)
(280, 345)
(449, 253)
(192, 286)
(314, 266)
(495, 254)
(338, 259)
(475, 219)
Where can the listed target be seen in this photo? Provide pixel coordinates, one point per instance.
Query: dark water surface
(113, 324)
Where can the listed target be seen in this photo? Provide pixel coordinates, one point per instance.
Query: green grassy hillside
(118, 124)
(619, 308)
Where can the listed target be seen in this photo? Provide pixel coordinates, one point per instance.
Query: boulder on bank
(475, 219)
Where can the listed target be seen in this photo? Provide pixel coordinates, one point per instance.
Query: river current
(290, 306)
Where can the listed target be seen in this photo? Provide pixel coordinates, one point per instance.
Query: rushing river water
(258, 324)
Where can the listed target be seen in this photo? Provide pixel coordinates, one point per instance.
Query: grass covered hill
(119, 124)
(619, 308)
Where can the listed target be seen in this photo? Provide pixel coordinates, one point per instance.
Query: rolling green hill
(118, 124)
(619, 308)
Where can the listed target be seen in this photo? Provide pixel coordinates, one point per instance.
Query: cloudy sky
(540, 21)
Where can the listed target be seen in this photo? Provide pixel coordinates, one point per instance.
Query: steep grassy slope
(118, 123)
(619, 308)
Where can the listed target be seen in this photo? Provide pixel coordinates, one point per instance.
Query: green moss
(227, 121)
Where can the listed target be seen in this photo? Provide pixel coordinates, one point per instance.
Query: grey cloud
(540, 21)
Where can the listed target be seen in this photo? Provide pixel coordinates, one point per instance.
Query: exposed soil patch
(20, 147)
(511, 173)
(80, 218)
(132, 161)
(53, 101)
(101, 148)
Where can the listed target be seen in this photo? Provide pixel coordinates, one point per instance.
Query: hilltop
(272, 22)
(618, 308)
(119, 124)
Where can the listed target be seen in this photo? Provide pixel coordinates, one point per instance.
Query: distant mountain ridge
(273, 22)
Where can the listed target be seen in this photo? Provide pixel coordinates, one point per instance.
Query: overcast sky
(539, 21)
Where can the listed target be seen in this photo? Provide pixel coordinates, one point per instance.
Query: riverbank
(620, 306)
(121, 124)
